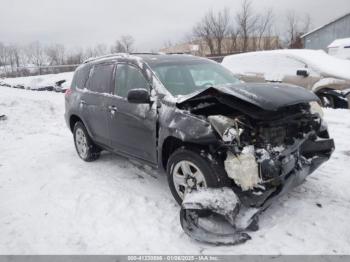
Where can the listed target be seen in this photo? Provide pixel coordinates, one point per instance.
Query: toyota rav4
(192, 118)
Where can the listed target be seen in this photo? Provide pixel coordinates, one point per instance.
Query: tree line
(219, 32)
(37, 58)
(244, 29)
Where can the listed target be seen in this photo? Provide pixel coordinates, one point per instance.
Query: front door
(132, 126)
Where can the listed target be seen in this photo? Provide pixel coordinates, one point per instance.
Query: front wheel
(85, 147)
(188, 170)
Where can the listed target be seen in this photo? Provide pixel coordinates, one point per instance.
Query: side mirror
(139, 96)
(303, 72)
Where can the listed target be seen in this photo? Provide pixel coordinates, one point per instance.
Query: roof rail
(104, 56)
(126, 54)
(177, 53)
(145, 53)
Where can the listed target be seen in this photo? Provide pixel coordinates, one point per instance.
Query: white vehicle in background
(340, 48)
(325, 75)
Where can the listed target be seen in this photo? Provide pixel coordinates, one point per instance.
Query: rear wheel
(84, 145)
(187, 170)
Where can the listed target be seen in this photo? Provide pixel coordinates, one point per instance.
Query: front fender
(332, 83)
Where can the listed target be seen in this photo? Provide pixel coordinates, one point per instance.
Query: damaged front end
(268, 157)
(265, 153)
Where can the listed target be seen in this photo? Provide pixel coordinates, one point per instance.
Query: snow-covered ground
(51, 202)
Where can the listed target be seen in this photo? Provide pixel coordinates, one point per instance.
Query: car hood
(270, 97)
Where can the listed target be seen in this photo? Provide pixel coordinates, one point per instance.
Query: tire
(214, 174)
(84, 145)
(327, 100)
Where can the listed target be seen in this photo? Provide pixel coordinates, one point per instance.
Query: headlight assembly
(315, 108)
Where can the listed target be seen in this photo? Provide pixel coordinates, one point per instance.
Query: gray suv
(192, 118)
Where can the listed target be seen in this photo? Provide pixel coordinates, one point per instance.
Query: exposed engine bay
(264, 152)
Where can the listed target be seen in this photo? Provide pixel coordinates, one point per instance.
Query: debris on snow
(211, 216)
(3, 117)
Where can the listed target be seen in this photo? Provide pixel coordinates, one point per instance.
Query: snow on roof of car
(318, 60)
(340, 43)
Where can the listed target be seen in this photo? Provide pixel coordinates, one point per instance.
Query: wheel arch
(171, 144)
(73, 119)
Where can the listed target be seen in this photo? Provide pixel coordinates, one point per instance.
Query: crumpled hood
(270, 97)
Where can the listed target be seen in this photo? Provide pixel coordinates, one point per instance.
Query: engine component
(243, 168)
(226, 127)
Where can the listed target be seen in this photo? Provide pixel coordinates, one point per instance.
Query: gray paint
(321, 38)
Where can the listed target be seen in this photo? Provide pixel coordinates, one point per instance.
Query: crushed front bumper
(305, 157)
(223, 216)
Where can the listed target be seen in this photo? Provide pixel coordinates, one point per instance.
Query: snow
(35, 82)
(340, 43)
(54, 203)
(274, 65)
(223, 200)
(340, 48)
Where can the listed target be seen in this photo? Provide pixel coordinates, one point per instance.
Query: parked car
(191, 118)
(340, 48)
(328, 77)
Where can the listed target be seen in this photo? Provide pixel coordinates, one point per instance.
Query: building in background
(323, 36)
(229, 46)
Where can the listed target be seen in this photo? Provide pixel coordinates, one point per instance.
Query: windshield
(185, 78)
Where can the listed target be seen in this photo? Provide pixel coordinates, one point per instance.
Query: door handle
(112, 109)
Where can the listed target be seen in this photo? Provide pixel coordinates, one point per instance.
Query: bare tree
(36, 55)
(124, 45)
(264, 27)
(213, 29)
(101, 49)
(220, 27)
(118, 48)
(232, 36)
(56, 54)
(292, 27)
(75, 57)
(296, 27)
(247, 23)
(203, 31)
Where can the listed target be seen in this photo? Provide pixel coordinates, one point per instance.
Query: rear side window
(82, 77)
(127, 78)
(100, 78)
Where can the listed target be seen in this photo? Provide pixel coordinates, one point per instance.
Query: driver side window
(128, 77)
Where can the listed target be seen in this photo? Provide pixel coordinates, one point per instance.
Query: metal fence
(35, 70)
(8, 71)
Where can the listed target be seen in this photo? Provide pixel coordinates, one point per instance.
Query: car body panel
(129, 124)
(269, 97)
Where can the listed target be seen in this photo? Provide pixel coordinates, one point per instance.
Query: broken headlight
(315, 108)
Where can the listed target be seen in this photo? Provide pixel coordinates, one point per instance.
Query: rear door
(132, 126)
(95, 102)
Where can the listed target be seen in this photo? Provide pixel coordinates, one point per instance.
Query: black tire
(214, 173)
(327, 100)
(92, 151)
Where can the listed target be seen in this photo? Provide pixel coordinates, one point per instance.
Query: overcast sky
(151, 22)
